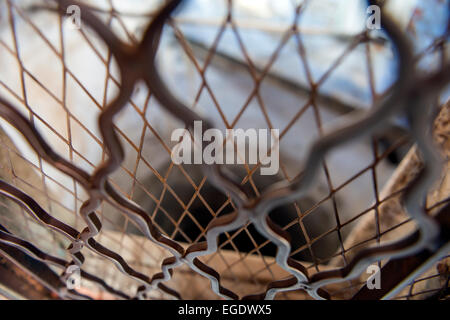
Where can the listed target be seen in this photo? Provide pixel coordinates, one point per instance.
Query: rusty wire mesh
(159, 259)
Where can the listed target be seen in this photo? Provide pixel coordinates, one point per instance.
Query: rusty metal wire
(136, 62)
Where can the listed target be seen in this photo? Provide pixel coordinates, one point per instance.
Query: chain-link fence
(91, 93)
